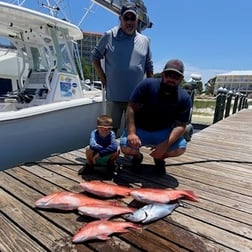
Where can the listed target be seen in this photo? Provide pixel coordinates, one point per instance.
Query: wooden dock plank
(27, 219)
(14, 239)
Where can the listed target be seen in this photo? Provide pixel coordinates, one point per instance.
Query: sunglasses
(104, 127)
(133, 18)
(172, 75)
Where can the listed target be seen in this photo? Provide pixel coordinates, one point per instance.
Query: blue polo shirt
(127, 59)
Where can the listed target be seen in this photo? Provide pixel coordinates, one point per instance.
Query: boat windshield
(55, 52)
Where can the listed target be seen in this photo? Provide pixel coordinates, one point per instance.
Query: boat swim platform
(217, 166)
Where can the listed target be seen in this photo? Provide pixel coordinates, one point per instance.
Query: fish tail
(136, 226)
(190, 195)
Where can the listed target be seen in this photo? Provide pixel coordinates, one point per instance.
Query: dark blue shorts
(153, 138)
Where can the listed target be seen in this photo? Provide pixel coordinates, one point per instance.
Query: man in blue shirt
(127, 57)
(156, 116)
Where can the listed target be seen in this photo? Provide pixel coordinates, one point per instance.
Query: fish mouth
(131, 217)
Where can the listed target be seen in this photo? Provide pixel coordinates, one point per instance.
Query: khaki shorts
(116, 110)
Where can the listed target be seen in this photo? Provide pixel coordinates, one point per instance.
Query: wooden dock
(217, 166)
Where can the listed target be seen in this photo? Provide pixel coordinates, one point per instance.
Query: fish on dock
(155, 195)
(101, 229)
(68, 201)
(152, 212)
(104, 189)
(102, 211)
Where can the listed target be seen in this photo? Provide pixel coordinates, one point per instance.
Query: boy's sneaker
(111, 168)
(136, 163)
(159, 167)
(86, 169)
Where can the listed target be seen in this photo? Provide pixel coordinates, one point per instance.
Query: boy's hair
(104, 120)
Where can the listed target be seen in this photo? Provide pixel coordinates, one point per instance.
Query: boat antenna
(89, 9)
(20, 4)
(53, 9)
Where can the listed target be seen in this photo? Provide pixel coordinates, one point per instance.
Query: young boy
(103, 148)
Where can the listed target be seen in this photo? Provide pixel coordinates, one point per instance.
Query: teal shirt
(127, 59)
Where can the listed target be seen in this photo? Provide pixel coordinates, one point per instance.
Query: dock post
(228, 104)
(246, 105)
(240, 102)
(235, 102)
(244, 102)
(220, 104)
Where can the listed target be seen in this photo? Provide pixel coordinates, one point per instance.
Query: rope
(212, 160)
(184, 163)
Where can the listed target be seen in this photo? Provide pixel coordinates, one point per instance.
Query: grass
(204, 104)
(204, 109)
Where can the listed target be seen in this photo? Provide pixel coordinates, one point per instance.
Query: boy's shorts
(153, 138)
(103, 160)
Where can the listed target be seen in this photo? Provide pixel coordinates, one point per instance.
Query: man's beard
(167, 89)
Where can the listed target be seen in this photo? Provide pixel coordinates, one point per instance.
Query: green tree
(87, 69)
(199, 88)
(157, 75)
(210, 86)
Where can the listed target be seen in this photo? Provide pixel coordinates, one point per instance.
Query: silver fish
(152, 212)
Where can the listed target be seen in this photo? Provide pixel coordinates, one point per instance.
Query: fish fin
(103, 237)
(136, 227)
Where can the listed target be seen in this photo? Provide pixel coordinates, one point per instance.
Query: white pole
(84, 16)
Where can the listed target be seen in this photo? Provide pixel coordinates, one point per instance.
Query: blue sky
(210, 36)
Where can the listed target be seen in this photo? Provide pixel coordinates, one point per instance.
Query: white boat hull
(43, 108)
(36, 133)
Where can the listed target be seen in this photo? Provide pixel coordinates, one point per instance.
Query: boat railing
(36, 79)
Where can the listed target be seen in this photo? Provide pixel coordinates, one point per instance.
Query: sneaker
(159, 167)
(86, 169)
(136, 163)
(137, 160)
(113, 169)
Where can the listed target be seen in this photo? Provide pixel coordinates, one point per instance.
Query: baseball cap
(175, 65)
(129, 7)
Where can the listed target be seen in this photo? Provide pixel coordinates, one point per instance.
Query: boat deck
(217, 166)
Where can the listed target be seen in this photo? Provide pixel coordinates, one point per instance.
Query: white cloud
(206, 74)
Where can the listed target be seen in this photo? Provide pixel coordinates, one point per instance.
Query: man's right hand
(134, 141)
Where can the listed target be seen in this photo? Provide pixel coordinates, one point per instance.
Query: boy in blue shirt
(103, 147)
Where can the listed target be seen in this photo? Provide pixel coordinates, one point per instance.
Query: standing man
(127, 59)
(156, 116)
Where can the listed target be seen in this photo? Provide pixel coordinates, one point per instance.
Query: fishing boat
(44, 110)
